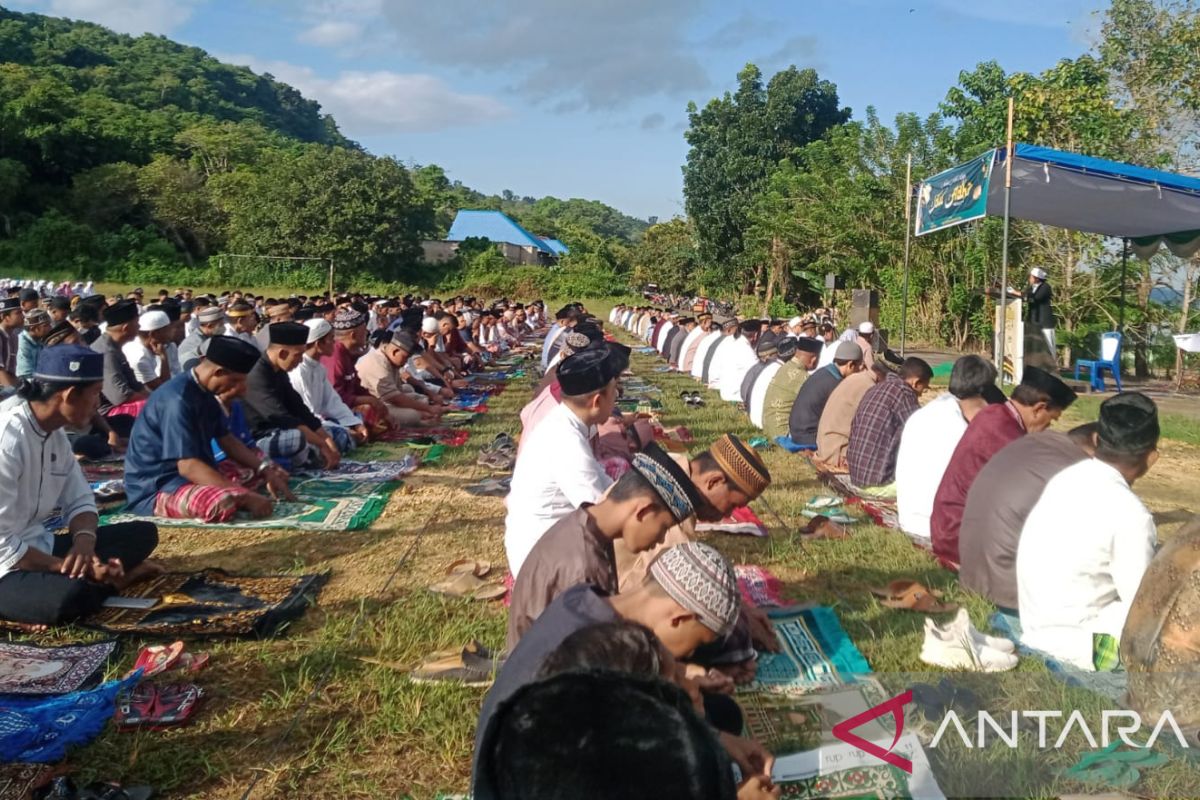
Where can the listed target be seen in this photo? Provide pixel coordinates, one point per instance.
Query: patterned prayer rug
(816, 652)
(791, 724)
(426, 437)
(844, 771)
(28, 669)
(741, 521)
(18, 781)
(39, 730)
(1112, 685)
(759, 587)
(321, 505)
(383, 471)
(212, 603)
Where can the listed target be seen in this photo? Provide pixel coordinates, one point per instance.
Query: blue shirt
(28, 349)
(179, 421)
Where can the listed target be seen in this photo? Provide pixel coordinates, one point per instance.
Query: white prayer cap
(866, 327)
(429, 325)
(794, 321)
(153, 321)
(1039, 273)
(317, 329)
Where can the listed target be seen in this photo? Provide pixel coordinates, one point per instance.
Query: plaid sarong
(205, 503)
(131, 409)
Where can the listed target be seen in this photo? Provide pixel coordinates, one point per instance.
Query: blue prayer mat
(39, 730)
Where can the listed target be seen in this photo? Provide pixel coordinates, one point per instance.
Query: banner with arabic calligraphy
(955, 196)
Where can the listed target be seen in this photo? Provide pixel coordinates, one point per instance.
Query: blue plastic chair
(1110, 359)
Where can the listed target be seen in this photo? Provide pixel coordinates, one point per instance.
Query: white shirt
(142, 361)
(1083, 551)
(758, 395)
(38, 473)
(172, 353)
(737, 358)
(694, 334)
(612, 315)
(191, 326)
(311, 382)
(827, 352)
(662, 335)
(701, 351)
(555, 474)
(926, 447)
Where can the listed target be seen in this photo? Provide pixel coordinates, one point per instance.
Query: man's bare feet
(26, 627)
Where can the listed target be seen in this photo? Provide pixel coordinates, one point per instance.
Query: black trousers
(50, 598)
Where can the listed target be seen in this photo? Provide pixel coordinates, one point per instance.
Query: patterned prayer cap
(576, 341)
(209, 315)
(36, 316)
(786, 348)
(666, 485)
(238, 310)
(741, 465)
(664, 459)
(60, 332)
(700, 580)
(347, 319)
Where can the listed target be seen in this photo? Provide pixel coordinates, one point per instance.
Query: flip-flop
(910, 595)
(157, 659)
(822, 527)
(479, 569)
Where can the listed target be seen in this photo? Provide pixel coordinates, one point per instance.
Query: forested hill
(138, 158)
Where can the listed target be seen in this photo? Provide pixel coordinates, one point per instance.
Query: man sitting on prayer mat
(282, 424)
(350, 343)
(689, 598)
(123, 395)
(728, 475)
(687, 350)
(785, 386)
(47, 579)
(932, 433)
(999, 502)
(381, 376)
(879, 421)
(833, 429)
(653, 495)
(1036, 403)
(210, 322)
(810, 401)
(31, 341)
(710, 369)
(147, 352)
(715, 335)
(310, 382)
(737, 357)
(170, 470)
(765, 351)
(557, 471)
(679, 337)
(785, 351)
(1088, 540)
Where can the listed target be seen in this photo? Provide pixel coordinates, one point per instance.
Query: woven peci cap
(702, 582)
(741, 464)
(678, 473)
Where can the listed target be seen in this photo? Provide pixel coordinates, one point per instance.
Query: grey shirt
(119, 381)
(999, 501)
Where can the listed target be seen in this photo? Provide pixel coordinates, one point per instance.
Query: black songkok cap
(587, 371)
(1061, 395)
(806, 345)
(288, 333)
(121, 312)
(1129, 423)
(235, 355)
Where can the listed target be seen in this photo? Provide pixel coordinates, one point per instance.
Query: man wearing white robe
(737, 357)
(711, 338)
(758, 394)
(693, 335)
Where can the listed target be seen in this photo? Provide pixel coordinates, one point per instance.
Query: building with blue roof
(518, 245)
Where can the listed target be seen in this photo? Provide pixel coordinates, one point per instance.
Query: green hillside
(141, 159)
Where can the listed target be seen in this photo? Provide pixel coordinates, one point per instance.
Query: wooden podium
(1012, 307)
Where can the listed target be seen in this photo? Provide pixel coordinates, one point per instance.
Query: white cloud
(124, 16)
(383, 101)
(331, 33)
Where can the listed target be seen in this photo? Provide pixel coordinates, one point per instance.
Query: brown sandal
(910, 595)
(822, 527)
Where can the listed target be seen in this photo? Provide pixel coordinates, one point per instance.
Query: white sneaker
(961, 627)
(944, 649)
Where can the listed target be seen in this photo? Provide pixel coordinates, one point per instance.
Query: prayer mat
(1111, 685)
(425, 437)
(456, 419)
(645, 350)
(759, 587)
(31, 670)
(383, 472)
(39, 730)
(815, 652)
(791, 724)
(741, 522)
(845, 771)
(97, 471)
(320, 505)
(884, 515)
(18, 781)
(212, 603)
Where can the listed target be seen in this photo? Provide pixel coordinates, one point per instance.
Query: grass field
(305, 716)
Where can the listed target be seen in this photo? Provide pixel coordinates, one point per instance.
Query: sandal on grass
(1113, 766)
(468, 586)
(911, 595)
(473, 665)
(823, 527)
(154, 707)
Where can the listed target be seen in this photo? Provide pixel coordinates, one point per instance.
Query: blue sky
(587, 98)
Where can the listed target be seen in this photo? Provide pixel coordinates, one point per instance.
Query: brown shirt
(378, 376)
(833, 431)
(571, 552)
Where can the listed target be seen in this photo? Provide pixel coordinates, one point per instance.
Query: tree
(181, 206)
(667, 256)
(13, 176)
(735, 142)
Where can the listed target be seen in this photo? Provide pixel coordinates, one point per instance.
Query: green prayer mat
(321, 505)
